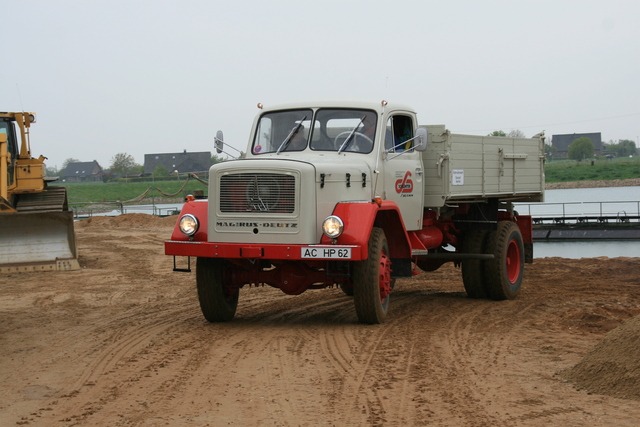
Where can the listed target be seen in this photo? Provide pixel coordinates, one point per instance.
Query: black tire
(348, 290)
(503, 275)
(372, 281)
(473, 269)
(217, 301)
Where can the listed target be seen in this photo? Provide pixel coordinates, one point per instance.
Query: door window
(399, 130)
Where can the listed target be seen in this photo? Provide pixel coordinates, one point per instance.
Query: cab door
(7, 128)
(403, 169)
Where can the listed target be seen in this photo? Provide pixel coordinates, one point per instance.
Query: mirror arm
(218, 143)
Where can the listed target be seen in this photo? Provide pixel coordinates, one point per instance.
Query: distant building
(82, 171)
(182, 162)
(562, 142)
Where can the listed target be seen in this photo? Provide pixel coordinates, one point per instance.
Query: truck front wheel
(218, 302)
(347, 289)
(372, 281)
(503, 274)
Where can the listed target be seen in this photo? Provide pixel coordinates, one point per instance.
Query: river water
(586, 201)
(583, 201)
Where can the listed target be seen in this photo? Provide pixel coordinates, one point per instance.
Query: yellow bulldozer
(36, 225)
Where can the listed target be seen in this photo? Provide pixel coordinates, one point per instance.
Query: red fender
(525, 223)
(199, 209)
(360, 218)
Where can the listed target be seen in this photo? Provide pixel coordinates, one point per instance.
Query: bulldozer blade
(37, 241)
(5, 206)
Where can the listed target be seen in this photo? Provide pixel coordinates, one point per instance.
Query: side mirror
(219, 142)
(422, 136)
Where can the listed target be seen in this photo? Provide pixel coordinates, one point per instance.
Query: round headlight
(333, 227)
(189, 224)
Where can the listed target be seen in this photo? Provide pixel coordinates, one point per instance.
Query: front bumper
(264, 251)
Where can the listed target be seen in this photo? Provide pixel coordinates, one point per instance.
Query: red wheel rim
(513, 261)
(384, 274)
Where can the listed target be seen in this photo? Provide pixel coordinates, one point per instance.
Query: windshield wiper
(288, 138)
(353, 131)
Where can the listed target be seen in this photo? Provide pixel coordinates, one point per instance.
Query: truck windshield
(344, 130)
(282, 131)
(339, 130)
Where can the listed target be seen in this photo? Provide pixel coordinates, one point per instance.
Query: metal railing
(88, 210)
(581, 212)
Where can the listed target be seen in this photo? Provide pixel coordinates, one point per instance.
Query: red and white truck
(357, 195)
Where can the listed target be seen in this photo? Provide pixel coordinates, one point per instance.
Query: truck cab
(329, 153)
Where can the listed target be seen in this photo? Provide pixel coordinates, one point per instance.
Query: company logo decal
(404, 185)
(239, 224)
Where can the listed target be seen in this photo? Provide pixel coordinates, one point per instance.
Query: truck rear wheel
(503, 274)
(218, 302)
(372, 281)
(473, 269)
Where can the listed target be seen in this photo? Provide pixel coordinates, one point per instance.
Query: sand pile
(613, 366)
(131, 220)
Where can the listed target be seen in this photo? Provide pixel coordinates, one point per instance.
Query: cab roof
(379, 107)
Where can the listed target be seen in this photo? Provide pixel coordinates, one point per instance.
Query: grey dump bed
(466, 168)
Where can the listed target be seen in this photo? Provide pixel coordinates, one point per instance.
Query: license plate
(325, 252)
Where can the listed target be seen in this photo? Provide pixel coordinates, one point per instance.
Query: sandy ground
(123, 343)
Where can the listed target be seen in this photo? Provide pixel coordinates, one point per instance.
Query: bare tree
(65, 164)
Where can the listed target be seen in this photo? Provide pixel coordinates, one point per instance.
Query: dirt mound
(613, 366)
(131, 220)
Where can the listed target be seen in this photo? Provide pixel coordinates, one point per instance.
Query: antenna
(386, 87)
(20, 97)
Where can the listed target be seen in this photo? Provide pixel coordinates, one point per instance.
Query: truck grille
(257, 192)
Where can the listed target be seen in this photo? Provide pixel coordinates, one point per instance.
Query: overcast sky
(136, 77)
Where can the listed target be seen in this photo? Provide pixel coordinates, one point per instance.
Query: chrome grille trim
(257, 192)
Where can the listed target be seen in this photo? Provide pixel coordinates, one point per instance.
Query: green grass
(569, 170)
(86, 192)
